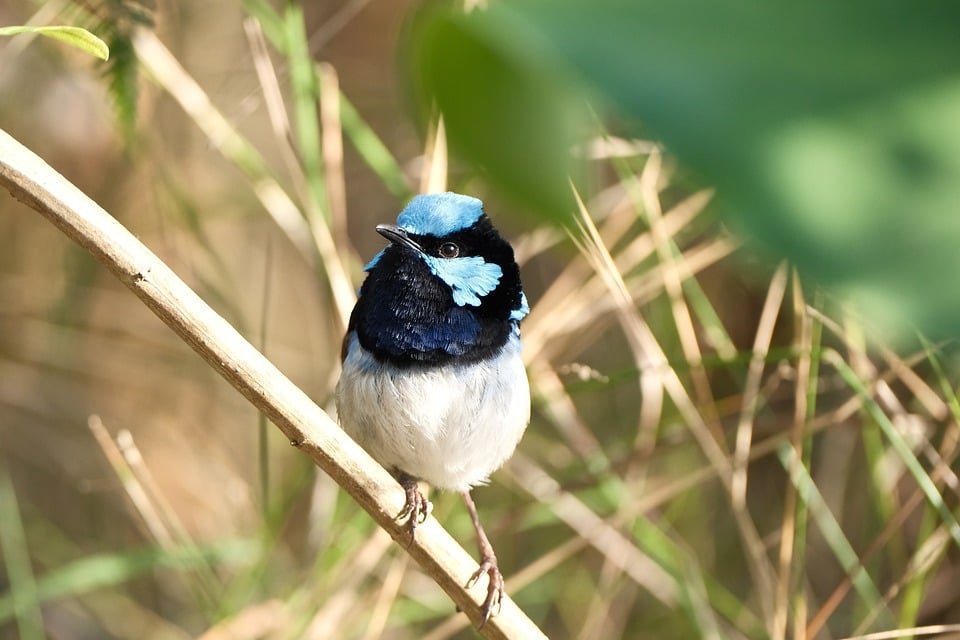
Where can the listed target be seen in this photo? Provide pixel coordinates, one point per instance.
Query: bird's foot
(488, 565)
(416, 508)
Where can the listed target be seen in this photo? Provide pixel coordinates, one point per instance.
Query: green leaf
(122, 75)
(510, 114)
(109, 570)
(21, 602)
(74, 36)
(829, 128)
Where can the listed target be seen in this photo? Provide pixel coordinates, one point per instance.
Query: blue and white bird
(433, 385)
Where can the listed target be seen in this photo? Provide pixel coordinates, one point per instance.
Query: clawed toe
(494, 587)
(416, 508)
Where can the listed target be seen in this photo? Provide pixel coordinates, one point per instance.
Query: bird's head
(448, 281)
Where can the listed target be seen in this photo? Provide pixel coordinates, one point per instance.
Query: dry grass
(716, 449)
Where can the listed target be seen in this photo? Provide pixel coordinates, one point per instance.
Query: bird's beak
(397, 236)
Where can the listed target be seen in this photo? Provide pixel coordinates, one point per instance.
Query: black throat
(406, 316)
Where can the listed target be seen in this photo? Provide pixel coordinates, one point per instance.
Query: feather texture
(451, 425)
(433, 383)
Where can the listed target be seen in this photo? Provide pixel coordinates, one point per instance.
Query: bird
(433, 384)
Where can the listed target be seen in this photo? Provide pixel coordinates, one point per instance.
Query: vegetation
(720, 447)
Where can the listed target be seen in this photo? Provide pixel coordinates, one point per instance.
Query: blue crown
(440, 214)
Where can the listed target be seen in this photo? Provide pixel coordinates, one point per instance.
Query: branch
(34, 182)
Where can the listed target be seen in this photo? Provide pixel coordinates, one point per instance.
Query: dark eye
(449, 250)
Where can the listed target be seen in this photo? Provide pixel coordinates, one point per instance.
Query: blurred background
(737, 230)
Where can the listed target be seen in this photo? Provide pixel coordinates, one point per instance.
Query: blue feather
(440, 214)
(469, 278)
(373, 261)
(455, 333)
(521, 312)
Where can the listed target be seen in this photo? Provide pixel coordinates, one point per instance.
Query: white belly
(451, 425)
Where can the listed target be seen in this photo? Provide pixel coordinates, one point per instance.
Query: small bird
(433, 384)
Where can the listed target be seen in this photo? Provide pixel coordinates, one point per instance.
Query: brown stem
(32, 181)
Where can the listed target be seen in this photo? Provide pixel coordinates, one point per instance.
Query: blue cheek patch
(521, 312)
(469, 278)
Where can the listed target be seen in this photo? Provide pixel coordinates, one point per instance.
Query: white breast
(451, 425)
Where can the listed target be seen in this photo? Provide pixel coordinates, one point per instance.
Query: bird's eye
(449, 250)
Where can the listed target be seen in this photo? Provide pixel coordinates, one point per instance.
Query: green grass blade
(915, 588)
(305, 96)
(73, 36)
(23, 601)
(832, 532)
(706, 313)
(948, 393)
(364, 139)
(802, 512)
(700, 304)
(373, 151)
(108, 570)
(899, 445)
(700, 593)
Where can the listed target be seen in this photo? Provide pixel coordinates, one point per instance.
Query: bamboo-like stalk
(34, 182)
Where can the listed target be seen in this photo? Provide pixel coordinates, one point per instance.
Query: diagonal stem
(307, 427)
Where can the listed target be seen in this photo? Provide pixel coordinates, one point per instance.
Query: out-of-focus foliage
(115, 21)
(74, 36)
(491, 91)
(829, 128)
(715, 450)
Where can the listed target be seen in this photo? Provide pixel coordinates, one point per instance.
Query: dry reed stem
(517, 582)
(942, 473)
(560, 409)
(266, 619)
(332, 148)
(273, 99)
(880, 388)
(596, 620)
(921, 391)
(929, 630)
(550, 560)
(172, 77)
(578, 295)
(803, 344)
(433, 178)
(310, 239)
(751, 393)
(380, 612)
(164, 510)
(334, 24)
(653, 498)
(156, 528)
(305, 425)
(331, 617)
(833, 601)
(605, 538)
(643, 341)
(673, 284)
(592, 301)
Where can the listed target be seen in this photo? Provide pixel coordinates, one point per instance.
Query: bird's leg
(488, 564)
(417, 507)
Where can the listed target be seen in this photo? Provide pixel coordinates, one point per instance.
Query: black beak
(397, 236)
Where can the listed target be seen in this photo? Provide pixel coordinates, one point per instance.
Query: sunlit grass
(716, 451)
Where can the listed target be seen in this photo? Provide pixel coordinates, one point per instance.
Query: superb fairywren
(433, 386)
